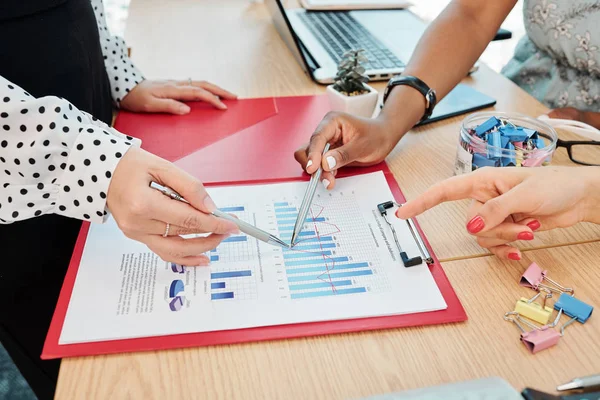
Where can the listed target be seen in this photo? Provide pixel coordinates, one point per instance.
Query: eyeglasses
(584, 152)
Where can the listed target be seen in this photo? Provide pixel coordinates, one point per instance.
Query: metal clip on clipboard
(408, 262)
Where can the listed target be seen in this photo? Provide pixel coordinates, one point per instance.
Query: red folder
(252, 142)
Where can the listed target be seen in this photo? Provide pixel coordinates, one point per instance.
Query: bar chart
(328, 259)
(234, 248)
(237, 284)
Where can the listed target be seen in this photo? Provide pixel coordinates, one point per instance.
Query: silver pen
(245, 227)
(307, 200)
(581, 383)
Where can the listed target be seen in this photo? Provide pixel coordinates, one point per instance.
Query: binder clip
(537, 312)
(534, 276)
(576, 309)
(408, 262)
(539, 338)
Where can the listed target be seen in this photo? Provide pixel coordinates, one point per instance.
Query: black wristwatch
(416, 83)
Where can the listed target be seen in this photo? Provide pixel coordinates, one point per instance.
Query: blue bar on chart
(281, 204)
(289, 256)
(230, 274)
(317, 261)
(316, 239)
(293, 220)
(312, 247)
(334, 275)
(232, 209)
(301, 234)
(285, 210)
(217, 285)
(319, 285)
(222, 295)
(214, 257)
(326, 268)
(328, 293)
(232, 239)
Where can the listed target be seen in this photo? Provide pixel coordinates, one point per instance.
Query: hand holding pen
(146, 215)
(355, 141)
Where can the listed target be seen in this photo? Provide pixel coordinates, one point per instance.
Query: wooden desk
(233, 43)
(361, 364)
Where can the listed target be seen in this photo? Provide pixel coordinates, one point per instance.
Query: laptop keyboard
(338, 32)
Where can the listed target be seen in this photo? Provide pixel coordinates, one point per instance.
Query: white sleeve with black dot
(54, 158)
(122, 73)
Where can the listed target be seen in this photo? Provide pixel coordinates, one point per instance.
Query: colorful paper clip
(538, 339)
(534, 276)
(576, 309)
(535, 311)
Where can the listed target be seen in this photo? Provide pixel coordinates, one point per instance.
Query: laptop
(318, 39)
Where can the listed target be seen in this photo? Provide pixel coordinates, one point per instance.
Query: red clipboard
(254, 144)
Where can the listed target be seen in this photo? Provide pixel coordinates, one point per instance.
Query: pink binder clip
(534, 276)
(538, 339)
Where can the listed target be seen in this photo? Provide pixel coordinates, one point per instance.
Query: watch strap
(419, 85)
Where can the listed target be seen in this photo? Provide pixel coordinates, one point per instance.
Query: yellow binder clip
(537, 312)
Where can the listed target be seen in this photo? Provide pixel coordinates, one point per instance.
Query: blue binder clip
(487, 126)
(576, 309)
(573, 307)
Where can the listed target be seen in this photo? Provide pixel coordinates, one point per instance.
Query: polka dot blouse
(55, 158)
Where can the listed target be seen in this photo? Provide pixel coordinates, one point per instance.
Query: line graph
(328, 259)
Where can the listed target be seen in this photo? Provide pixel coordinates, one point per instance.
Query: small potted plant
(350, 93)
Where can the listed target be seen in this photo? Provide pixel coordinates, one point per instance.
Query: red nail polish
(476, 224)
(514, 256)
(534, 225)
(525, 236)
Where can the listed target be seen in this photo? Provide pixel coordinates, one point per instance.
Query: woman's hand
(142, 212)
(509, 204)
(359, 141)
(588, 117)
(354, 141)
(166, 96)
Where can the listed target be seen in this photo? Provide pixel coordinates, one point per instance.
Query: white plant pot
(360, 106)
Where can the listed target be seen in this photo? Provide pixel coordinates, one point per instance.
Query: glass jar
(475, 151)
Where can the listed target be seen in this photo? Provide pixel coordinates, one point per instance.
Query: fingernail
(514, 256)
(331, 162)
(222, 106)
(209, 204)
(398, 213)
(326, 183)
(476, 224)
(184, 109)
(308, 164)
(233, 231)
(525, 236)
(205, 262)
(534, 225)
